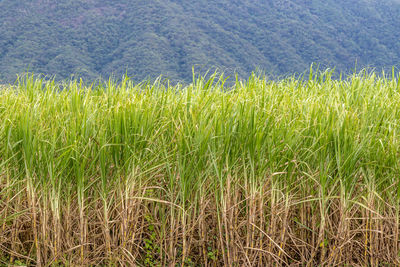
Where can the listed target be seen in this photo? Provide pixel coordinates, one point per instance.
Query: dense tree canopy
(97, 38)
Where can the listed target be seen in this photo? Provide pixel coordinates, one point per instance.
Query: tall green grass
(261, 173)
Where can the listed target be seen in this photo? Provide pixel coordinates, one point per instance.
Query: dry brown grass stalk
(254, 236)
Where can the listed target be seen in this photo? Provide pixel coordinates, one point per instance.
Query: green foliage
(94, 38)
(151, 248)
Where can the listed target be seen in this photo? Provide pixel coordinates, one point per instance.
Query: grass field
(263, 173)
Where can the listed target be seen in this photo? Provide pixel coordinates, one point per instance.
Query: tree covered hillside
(93, 38)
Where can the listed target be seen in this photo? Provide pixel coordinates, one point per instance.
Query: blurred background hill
(92, 38)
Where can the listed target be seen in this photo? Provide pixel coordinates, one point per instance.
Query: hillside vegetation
(93, 38)
(285, 172)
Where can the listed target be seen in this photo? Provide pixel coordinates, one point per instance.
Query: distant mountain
(149, 37)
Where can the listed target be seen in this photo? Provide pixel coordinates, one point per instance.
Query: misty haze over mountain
(148, 38)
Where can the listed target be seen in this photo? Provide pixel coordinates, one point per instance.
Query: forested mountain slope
(94, 37)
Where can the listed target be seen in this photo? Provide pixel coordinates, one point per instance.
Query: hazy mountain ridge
(92, 38)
